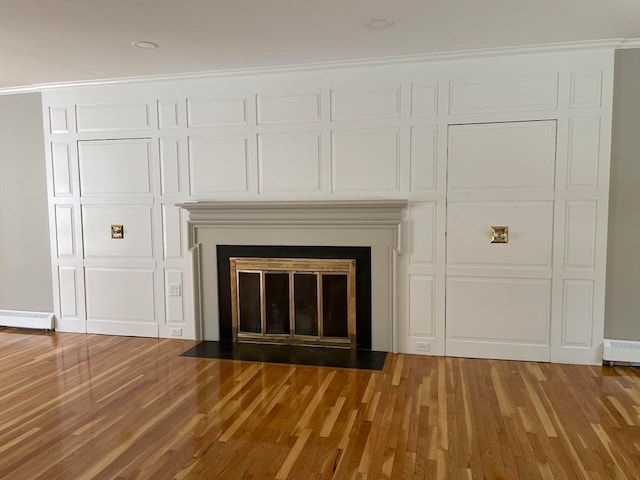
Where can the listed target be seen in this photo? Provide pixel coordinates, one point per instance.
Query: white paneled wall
(431, 132)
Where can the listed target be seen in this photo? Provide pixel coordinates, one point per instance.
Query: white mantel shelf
(330, 212)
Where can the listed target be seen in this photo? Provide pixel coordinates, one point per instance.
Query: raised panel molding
(501, 310)
(65, 234)
(137, 241)
(506, 156)
(173, 304)
(424, 100)
(61, 169)
(584, 153)
(530, 234)
(103, 162)
(397, 129)
(58, 120)
(580, 234)
(577, 313)
(424, 155)
(365, 161)
(68, 292)
(422, 302)
(120, 294)
(169, 166)
(112, 117)
(423, 233)
(365, 105)
(218, 164)
(503, 95)
(172, 232)
(279, 109)
(168, 115)
(216, 112)
(586, 89)
(289, 163)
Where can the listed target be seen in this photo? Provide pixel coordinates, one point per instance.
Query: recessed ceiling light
(378, 24)
(146, 45)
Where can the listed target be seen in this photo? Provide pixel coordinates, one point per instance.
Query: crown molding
(614, 43)
(630, 43)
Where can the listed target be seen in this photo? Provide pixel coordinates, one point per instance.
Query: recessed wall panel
(424, 100)
(115, 167)
(423, 233)
(137, 241)
(65, 237)
(278, 109)
(62, 184)
(365, 105)
(500, 310)
(530, 234)
(503, 95)
(168, 115)
(58, 120)
(584, 153)
(577, 313)
(174, 304)
(216, 112)
(422, 305)
(424, 154)
(218, 164)
(120, 294)
(172, 232)
(580, 221)
(365, 160)
(506, 156)
(289, 162)
(169, 166)
(586, 89)
(112, 117)
(68, 291)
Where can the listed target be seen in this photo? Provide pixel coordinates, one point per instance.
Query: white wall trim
(391, 60)
(629, 43)
(22, 319)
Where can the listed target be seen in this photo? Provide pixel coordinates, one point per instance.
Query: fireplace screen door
(298, 301)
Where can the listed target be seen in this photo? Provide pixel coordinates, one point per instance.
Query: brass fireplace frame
(291, 266)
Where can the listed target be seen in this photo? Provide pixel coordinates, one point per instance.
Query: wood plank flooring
(99, 407)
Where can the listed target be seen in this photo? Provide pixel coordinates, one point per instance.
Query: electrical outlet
(175, 332)
(175, 290)
(423, 346)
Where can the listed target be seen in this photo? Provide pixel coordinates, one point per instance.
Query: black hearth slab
(292, 354)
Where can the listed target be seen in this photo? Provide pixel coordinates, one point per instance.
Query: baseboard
(22, 319)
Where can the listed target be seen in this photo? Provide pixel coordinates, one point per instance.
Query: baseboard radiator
(621, 351)
(20, 319)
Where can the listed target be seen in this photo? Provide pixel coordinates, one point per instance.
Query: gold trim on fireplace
(291, 266)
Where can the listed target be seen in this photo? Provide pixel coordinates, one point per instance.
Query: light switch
(175, 290)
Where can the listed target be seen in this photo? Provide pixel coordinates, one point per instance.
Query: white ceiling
(46, 41)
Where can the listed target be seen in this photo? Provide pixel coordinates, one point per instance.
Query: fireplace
(306, 301)
(314, 230)
(311, 268)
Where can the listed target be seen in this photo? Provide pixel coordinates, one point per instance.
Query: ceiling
(51, 41)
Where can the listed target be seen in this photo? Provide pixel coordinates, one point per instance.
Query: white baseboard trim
(22, 319)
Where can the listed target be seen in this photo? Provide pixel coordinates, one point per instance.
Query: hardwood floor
(88, 406)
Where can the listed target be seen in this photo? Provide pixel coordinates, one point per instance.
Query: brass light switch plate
(499, 234)
(117, 231)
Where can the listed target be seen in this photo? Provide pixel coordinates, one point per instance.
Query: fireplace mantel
(371, 223)
(333, 212)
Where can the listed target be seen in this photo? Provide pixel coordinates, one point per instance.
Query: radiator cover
(621, 351)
